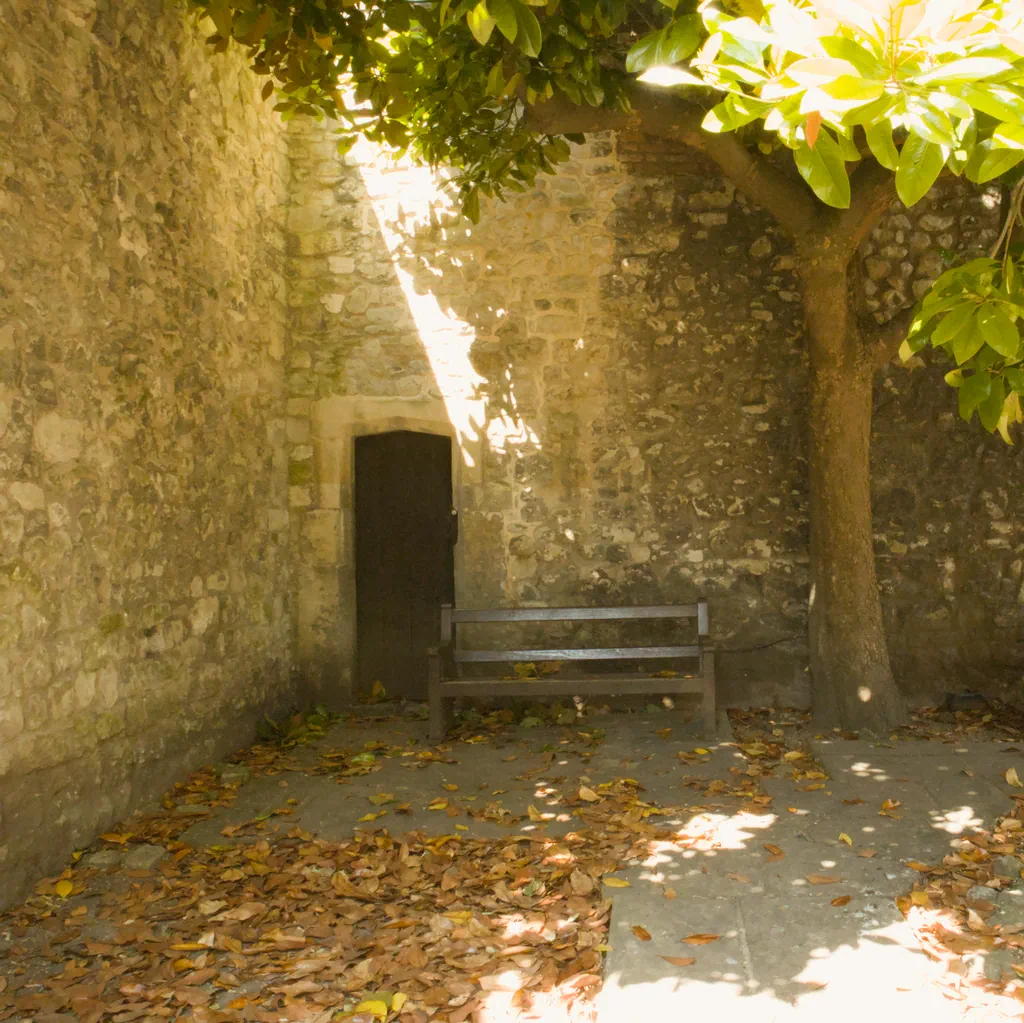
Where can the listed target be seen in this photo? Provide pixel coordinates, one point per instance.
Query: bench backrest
(451, 616)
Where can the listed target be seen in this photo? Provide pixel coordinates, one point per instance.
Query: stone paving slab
(786, 953)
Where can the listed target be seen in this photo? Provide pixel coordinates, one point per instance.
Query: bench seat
(693, 666)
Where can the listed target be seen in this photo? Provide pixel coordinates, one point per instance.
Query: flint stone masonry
(617, 355)
(145, 574)
(200, 310)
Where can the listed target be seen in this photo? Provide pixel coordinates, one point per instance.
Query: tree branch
(881, 341)
(658, 112)
(872, 190)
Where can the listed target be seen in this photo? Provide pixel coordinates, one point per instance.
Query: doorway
(405, 534)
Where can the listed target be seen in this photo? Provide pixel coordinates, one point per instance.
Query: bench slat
(614, 653)
(602, 685)
(579, 614)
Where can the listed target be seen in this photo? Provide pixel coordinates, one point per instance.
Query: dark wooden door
(405, 534)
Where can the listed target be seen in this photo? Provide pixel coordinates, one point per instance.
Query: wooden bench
(447, 662)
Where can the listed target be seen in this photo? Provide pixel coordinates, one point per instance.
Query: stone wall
(618, 356)
(145, 580)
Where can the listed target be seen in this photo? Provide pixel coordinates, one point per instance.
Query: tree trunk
(852, 681)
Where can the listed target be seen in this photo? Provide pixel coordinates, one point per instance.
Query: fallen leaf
(582, 884)
(64, 888)
(398, 1001)
(640, 932)
(776, 852)
(742, 878)
(794, 754)
(920, 899)
(703, 752)
(891, 804)
(615, 882)
(450, 788)
(866, 854)
(1013, 778)
(679, 960)
(116, 839)
(852, 802)
(669, 893)
(378, 813)
(844, 837)
(917, 865)
(588, 794)
(373, 1006)
(381, 798)
(821, 878)
(701, 939)
(841, 900)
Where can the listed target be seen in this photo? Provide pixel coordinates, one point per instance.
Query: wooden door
(405, 534)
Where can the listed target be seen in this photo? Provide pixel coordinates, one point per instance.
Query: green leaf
(920, 164)
(848, 87)
(824, 170)
(495, 80)
(967, 343)
(996, 101)
(973, 391)
(732, 113)
(504, 14)
(1015, 378)
(480, 22)
(999, 331)
(862, 59)
(968, 69)
(669, 45)
(1009, 136)
(529, 36)
(882, 146)
(957, 320)
(991, 409)
(989, 161)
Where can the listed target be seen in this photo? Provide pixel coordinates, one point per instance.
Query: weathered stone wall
(145, 606)
(618, 355)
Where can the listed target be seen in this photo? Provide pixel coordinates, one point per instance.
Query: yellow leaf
(374, 1006)
(461, 827)
(844, 837)
(64, 888)
(452, 788)
(373, 816)
(615, 882)
(116, 839)
(381, 798)
(920, 898)
(588, 794)
(918, 865)
(701, 751)
(794, 754)
(188, 946)
(398, 1001)
(1013, 778)
(438, 804)
(377, 690)
(891, 804)
(181, 965)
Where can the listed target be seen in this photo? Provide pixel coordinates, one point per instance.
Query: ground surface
(614, 868)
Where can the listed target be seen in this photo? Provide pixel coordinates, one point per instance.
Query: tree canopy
(868, 89)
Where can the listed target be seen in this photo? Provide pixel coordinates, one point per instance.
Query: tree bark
(851, 677)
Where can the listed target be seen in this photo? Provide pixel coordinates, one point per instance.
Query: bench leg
(710, 723)
(440, 708)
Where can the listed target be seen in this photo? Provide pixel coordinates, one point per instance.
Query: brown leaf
(679, 960)
(582, 884)
(774, 850)
(640, 932)
(701, 939)
(742, 878)
(866, 854)
(821, 878)
(588, 794)
(669, 893)
(841, 900)
(852, 802)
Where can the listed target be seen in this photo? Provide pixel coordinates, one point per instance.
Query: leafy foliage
(920, 88)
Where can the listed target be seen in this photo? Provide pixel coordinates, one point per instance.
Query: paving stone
(104, 859)
(144, 857)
